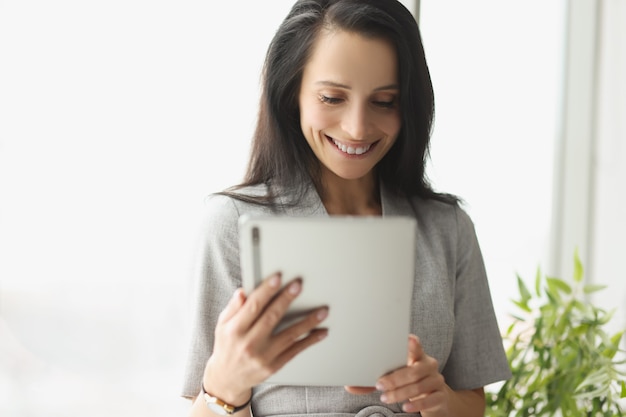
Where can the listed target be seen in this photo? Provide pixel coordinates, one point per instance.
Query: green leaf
(522, 305)
(509, 330)
(623, 393)
(590, 288)
(559, 285)
(523, 290)
(553, 296)
(595, 381)
(538, 282)
(580, 330)
(617, 338)
(578, 267)
(605, 317)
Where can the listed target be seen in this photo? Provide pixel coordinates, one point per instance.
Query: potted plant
(562, 359)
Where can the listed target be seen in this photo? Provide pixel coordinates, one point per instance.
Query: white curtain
(497, 73)
(608, 223)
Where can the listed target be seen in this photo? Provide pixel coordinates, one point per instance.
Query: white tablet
(362, 268)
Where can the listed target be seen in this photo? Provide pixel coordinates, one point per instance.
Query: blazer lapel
(394, 205)
(310, 206)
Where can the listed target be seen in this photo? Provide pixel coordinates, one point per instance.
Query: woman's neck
(359, 197)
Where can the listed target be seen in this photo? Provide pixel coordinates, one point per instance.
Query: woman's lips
(351, 149)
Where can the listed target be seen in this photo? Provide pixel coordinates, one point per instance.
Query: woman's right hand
(246, 351)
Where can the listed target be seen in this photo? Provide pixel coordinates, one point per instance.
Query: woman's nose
(356, 122)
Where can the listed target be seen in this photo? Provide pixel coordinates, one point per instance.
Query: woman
(343, 129)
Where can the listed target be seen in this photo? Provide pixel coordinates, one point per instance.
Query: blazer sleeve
(217, 275)
(477, 357)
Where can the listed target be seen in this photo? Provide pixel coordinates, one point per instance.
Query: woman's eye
(385, 104)
(330, 100)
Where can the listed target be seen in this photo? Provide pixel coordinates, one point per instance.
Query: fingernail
(322, 314)
(383, 398)
(275, 281)
(380, 386)
(294, 288)
(408, 407)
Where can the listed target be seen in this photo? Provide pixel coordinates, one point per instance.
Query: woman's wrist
(232, 395)
(221, 407)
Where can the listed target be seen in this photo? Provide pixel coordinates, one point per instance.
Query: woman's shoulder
(219, 217)
(228, 206)
(445, 214)
(447, 228)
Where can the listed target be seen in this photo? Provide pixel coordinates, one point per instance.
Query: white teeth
(351, 150)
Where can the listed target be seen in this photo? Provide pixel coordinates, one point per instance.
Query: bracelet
(219, 406)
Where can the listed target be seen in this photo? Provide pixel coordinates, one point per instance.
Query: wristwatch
(219, 406)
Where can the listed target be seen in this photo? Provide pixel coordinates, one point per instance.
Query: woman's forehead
(349, 58)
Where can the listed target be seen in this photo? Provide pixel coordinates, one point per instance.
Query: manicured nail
(294, 288)
(322, 314)
(409, 407)
(383, 398)
(275, 281)
(380, 386)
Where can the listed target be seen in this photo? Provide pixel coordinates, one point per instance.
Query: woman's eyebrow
(388, 87)
(333, 84)
(347, 87)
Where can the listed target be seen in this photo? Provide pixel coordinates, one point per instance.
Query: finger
(293, 333)
(359, 390)
(415, 373)
(414, 391)
(234, 304)
(316, 336)
(407, 374)
(415, 350)
(430, 402)
(275, 310)
(258, 299)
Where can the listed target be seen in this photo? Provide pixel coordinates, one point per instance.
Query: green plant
(563, 361)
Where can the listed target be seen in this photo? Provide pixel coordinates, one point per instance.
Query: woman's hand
(246, 352)
(418, 385)
(421, 388)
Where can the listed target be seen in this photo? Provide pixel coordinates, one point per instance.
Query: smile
(350, 150)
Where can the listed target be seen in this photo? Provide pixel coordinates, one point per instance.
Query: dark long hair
(280, 155)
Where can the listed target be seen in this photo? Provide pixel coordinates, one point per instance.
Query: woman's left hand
(419, 385)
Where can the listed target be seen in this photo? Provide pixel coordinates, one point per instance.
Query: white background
(117, 118)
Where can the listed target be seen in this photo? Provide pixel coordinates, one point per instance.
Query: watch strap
(228, 408)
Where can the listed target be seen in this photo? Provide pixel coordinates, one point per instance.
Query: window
(496, 70)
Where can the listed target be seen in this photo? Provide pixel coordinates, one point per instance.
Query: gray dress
(452, 308)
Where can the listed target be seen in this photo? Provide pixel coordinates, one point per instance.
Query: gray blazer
(452, 308)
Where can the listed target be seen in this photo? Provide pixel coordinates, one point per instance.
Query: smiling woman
(343, 129)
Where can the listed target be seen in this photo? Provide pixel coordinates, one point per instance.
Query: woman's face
(349, 102)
